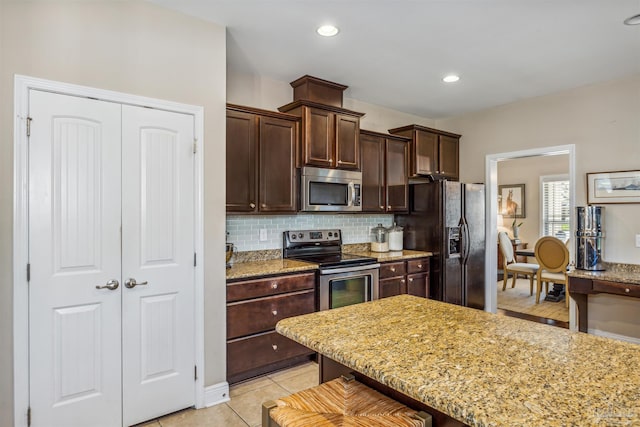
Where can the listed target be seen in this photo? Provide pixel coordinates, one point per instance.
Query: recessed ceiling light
(451, 78)
(632, 20)
(327, 30)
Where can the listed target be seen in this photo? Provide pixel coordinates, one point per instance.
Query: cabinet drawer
(252, 352)
(392, 269)
(262, 314)
(418, 265)
(392, 287)
(271, 286)
(616, 288)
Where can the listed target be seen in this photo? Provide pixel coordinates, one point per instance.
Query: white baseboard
(598, 332)
(216, 394)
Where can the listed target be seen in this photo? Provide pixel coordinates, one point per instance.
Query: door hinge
(195, 373)
(29, 126)
(195, 145)
(28, 272)
(29, 416)
(195, 261)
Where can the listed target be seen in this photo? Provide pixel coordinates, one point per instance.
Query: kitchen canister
(379, 242)
(395, 236)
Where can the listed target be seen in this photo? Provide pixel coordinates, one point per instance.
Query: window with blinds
(555, 206)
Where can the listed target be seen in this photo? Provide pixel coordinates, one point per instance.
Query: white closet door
(157, 250)
(74, 246)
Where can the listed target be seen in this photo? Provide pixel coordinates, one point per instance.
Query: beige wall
(126, 46)
(528, 171)
(269, 94)
(602, 121)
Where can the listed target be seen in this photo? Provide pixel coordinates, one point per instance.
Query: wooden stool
(340, 402)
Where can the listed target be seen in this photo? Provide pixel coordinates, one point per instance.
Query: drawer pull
(274, 312)
(402, 280)
(393, 269)
(274, 285)
(419, 265)
(410, 279)
(627, 290)
(274, 347)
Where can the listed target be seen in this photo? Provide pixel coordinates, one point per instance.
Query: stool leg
(427, 419)
(266, 419)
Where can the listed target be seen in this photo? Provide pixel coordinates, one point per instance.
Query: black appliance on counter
(448, 219)
(343, 279)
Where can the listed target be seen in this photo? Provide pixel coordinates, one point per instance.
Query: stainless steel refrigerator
(448, 219)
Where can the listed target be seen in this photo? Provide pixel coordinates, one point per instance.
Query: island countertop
(480, 368)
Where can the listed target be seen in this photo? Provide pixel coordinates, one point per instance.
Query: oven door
(349, 285)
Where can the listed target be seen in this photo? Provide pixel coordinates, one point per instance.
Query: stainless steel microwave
(330, 190)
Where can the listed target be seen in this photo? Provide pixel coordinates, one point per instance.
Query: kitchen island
(479, 368)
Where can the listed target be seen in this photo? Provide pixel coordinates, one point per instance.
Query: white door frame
(491, 179)
(22, 85)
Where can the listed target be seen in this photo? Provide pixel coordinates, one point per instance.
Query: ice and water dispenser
(589, 237)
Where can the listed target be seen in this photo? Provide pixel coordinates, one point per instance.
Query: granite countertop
(253, 264)
(392, 255)
(480, 368)
(243, 270)
(621, 273)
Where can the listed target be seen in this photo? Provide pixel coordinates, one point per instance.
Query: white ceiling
(394, 53)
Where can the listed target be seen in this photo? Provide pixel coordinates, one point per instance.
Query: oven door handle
(349, 269)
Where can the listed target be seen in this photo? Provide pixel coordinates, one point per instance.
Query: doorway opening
(532, 229)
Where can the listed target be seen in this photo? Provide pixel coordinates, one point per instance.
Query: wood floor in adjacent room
(517, 300)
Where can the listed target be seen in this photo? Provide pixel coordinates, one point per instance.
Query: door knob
(112, 285)
(131, 283)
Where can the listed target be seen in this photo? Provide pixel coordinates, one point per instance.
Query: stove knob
(330, 234)
(300, 235)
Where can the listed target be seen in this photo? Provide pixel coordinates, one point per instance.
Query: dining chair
(511, 266)
(553, 257)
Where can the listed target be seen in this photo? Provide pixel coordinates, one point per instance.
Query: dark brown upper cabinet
(261, 161)
(330, 135)
(433, 152)
(385, 187)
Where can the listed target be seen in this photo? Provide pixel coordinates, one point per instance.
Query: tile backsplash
(244, 230)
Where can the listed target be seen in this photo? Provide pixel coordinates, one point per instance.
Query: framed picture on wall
(511, 201)
(613, 187)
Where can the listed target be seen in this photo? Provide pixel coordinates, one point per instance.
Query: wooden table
(582, 283)
(479, 368)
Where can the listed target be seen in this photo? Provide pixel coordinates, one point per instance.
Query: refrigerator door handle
(466, 242)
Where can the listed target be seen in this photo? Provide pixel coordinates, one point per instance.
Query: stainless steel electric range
(343, 279)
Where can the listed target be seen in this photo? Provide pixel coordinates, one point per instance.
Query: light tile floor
(244, 408)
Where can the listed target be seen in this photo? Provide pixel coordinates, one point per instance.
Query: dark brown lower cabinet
(253, 309)
(404, 277)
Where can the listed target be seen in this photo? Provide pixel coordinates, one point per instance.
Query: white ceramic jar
(395, 236)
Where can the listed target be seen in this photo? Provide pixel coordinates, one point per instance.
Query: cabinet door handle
(274, 312)
(264, 205)
(627, 290)
(340, 162)
(381, 207)
(419, 265)
(410, 279)
(402, 280)
(252, 205)
(274, 347)
(274, 285)
(389, 207)
(393, 269)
